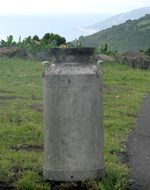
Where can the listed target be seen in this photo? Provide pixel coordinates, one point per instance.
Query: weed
(21, 124)
(31, 181)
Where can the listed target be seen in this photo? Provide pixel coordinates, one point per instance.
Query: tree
(36, 38)
(46, 38)
(49, 38)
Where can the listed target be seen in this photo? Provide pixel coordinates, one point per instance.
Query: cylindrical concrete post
(73, 116)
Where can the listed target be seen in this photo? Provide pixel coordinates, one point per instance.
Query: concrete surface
(138, 149)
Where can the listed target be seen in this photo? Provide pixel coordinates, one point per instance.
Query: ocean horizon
(62, 24)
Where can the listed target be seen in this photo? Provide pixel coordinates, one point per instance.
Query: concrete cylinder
(73, 116)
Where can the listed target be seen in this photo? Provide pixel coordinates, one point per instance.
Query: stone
(118, 58)
(136, 60)
(105, 58)
(31, 57)
(42, 56)
(13, 52)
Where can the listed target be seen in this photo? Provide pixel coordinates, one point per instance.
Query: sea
(63, 24)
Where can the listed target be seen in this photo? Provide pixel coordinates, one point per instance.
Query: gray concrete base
(59, 175)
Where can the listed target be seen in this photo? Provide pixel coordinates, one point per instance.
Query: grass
(21, 125)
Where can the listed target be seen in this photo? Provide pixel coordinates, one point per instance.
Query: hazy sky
(61, 6)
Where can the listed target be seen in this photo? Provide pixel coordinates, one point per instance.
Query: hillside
(132, 35)
(119, 19)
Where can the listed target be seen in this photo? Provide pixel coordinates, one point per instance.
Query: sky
(30, 17)
(68, 6)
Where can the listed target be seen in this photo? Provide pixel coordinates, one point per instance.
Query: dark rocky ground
(138, 150)
(132, 58)
(19, 52)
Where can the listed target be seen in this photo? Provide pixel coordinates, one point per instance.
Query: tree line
(35, 44)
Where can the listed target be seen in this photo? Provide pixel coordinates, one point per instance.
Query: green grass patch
(21, 124)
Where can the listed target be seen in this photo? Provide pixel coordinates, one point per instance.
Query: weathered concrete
(73, 115)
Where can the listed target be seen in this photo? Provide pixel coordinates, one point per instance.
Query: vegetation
(104, 50)
(147, 52)
(49, 38)
(21, 125)
(132, 35)
(35, 44)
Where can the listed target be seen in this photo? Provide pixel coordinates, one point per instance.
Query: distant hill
(132, 35)
(115, 20)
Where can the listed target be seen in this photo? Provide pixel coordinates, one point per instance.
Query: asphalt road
(138, 150)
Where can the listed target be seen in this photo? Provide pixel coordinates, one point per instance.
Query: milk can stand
(73, 116)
